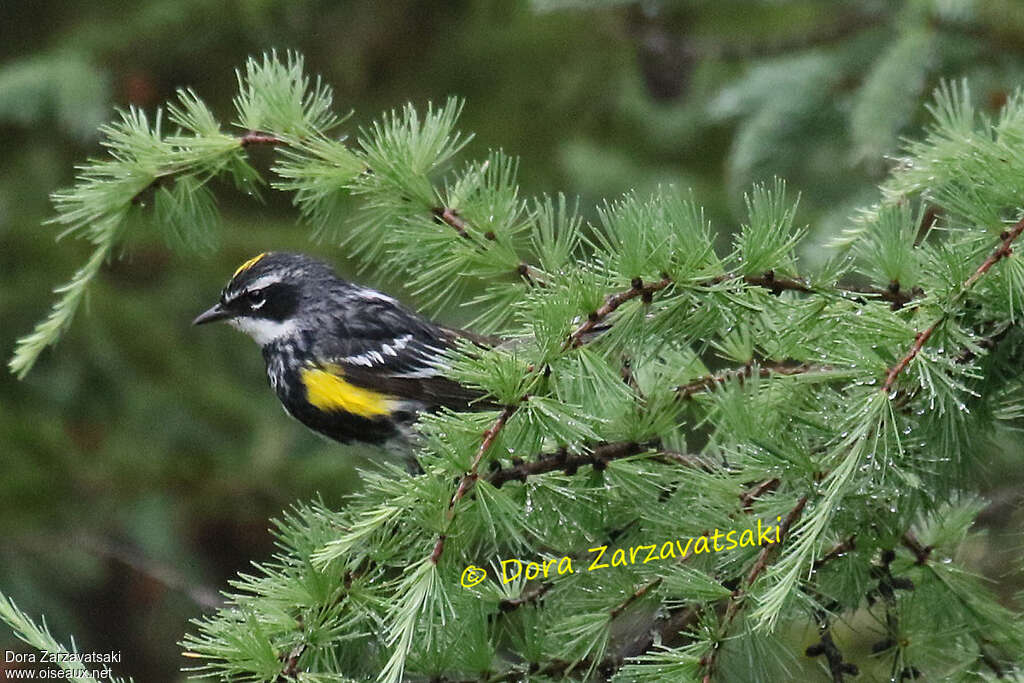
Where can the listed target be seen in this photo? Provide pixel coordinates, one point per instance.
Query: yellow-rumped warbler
(348, 362)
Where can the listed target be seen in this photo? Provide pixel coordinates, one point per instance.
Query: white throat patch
(264, 331)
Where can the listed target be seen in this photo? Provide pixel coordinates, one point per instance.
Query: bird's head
(267, 293)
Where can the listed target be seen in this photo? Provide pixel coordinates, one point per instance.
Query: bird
(349, 362)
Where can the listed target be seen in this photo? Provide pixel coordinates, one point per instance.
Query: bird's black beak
(217, 312)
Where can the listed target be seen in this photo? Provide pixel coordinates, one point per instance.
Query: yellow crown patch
(249, 264)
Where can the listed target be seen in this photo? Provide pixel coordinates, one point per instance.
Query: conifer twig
(768, 280)
(451, 218)
(489, 436)
(921, 552)
(777, 283)
(1002, 251)
(256, 138)
(748, 497)
(561, 460)
(291, 664)
(525, 598)
(736, 600)
(709, 382)
(471, 476)
(837, 551)
(250, 139)
(611, 303)
(640, 592)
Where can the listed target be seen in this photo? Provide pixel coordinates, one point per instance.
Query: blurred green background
(141, 460)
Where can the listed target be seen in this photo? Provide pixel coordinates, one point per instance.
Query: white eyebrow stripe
(265, 281)
(259, 283)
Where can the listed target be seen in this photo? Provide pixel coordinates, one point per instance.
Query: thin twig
(1002, 251)
(640, 592)
(748, 497)
(451, 217)
(787, 523)
(779, 283)
(489, 436)
(290, 671)
(161, 573)
(921, 552)
(561, 460)
(525, 598)
(837, 551)
(611, 303)
(709, 382)
(736, 600)
(471, 476)
(255, 138)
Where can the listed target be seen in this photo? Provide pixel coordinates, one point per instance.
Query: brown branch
(451, 217)
(435, 554)
(164, 574)
(768, 280)
(255, 138)
(748, 497)
(290, 671)
(489, 436)
(471, 476)
(921, 552)
(611, 303)
(1002, 251)
(837, 551)
(736, 600)
(920, 339)
(893, 294)
(787, 523)
(778, 284)
(526, 597)
(561, 460)
(530, 274)
(636, 595)
(709, 382)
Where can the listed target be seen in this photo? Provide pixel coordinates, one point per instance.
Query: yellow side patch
(329, 391)
(249, 264)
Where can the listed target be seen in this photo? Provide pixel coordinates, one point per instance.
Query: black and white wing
(388, 349)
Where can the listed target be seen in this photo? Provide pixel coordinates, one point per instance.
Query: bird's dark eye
(255, 298)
